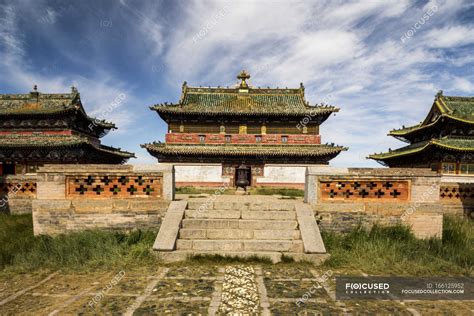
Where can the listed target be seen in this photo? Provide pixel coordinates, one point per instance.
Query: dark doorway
(243, 176)
(7, 168)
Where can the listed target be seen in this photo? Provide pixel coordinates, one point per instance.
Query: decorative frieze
(457, 193)
(94, 186)
(365, 190)
(193, 138)
(19, 189)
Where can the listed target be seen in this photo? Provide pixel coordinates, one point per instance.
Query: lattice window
(365, 190)
(18, 189)
(94, 186)
(457, 193)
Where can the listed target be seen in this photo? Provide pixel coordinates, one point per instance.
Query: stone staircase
(242, 226)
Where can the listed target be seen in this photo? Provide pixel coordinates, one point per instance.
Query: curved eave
(163, 110)
(116, 151)
(407, 132)
(436, 143)
(43, 113)
(319, 151)
(79, 143)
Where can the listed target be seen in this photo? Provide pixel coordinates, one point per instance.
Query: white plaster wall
(199, 173)
(283, 174)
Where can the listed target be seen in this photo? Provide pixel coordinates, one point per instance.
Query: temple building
(443, 141)
(38, 128)
(254, 136)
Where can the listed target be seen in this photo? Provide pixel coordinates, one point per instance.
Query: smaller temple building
(38, 128)
(443, 141)
(243, 135)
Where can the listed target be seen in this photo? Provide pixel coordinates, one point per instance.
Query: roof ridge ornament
(244, 76)
(184, 90)
(439, 94)
(34, 95)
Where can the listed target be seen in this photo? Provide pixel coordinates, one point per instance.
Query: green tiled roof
(36, 103)
(449, 143)
(460, 107)
(35, 140)
(245, 150)
(254, 101)
(454, 108)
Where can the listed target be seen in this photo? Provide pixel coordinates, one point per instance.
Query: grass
(277, 191)
(395, 250)
(203, 260)
(381, 250)
(20, 250)
(201, 190)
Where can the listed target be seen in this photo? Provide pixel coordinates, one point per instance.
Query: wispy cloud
(450, 36)
(350, 50)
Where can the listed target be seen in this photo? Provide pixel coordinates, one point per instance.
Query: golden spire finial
(244, 76)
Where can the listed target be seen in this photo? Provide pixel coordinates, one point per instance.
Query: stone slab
(310, 234)
(267, 224)
(223, 214)
(166, 238)
(187, 233)
(268, 245)
(271, 215)
(229, 234)
(211, 223)
(289, 234)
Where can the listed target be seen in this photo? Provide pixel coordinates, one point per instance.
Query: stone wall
(343, 198)
(457, 195)
(17, 193)
(79, 197)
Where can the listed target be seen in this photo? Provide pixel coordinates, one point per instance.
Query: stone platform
(240, 226)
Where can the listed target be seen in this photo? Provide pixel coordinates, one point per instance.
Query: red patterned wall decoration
(363, 190)
(19, 189)
(457, 193)
(100, 186)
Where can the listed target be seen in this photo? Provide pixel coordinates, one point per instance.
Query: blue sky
(381, 62)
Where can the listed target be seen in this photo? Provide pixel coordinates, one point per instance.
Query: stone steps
(240, 224)
(244, 228)
(191, 233)
(246, 203)
(240, 245)
(240, 214)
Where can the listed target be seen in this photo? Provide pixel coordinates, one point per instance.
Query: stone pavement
(194, 289)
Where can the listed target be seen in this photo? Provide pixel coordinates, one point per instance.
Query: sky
(381, 62)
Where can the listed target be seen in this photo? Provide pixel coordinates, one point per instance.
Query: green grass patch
(21, 250)
(202, 190)
(277, 191)
(223, 260)
(395, 250)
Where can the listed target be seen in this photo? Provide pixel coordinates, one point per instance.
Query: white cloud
(349, 50)
(97, 91)
(462, 84)
(450, 36)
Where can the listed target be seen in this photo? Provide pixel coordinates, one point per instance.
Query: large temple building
(243, 135)
(38, 128)
(443, 141)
